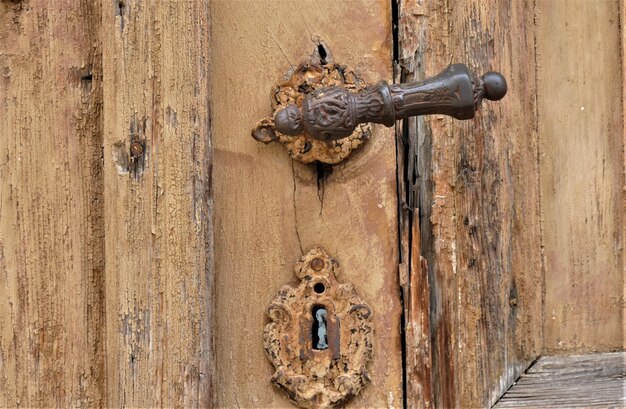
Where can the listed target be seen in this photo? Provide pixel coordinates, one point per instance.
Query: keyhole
(319, 288)
(318, 330)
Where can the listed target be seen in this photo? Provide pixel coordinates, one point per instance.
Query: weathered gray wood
(577, 381)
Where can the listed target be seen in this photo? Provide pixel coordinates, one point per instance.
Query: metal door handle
(333, 113)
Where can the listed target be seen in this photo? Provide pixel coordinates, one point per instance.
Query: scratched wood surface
(51, 220)
(582, 173)
(270, 209)
(576, 381)
(478, 199)
(158, 204)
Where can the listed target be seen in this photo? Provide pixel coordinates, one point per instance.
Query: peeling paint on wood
(158, 204)
(52, 317)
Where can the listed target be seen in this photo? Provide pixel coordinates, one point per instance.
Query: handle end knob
(288, 121)
(495, 86)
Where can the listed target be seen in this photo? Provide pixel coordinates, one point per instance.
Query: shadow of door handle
(334, 112)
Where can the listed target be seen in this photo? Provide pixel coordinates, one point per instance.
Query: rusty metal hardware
(320, 336)
(305, 79)
(335, 112)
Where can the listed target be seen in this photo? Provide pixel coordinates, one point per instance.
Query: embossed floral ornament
(314, 376)
(306, 79)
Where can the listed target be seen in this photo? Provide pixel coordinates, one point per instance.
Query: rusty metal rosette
(305, 79)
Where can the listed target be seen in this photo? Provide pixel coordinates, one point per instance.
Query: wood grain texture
(576, 381)
(623, 32)
(269, 210)
(413, 268)
(478, 198)
(582, 173)
(51, 222)
(418, 349)
(158, 204)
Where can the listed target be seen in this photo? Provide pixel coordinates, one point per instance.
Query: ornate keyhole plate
(320, 336)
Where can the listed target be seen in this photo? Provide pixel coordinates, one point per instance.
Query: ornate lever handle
(333, 113)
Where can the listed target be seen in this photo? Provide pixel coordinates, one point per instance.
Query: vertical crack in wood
(415, 292)
(295, 206)
(538, 179)
(403, 257)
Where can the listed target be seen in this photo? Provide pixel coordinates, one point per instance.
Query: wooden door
(271, 209)
(144, 233)
(474, 190)
(471, 313)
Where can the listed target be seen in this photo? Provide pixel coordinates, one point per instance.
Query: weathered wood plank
(413, 276)
(158, 204)
(269, 209)
(578, 381)
(419, 384)
(51, 222)
(413, 271)
(623, 32)
(479, 199)
(582, 173)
